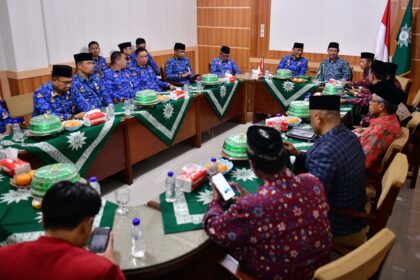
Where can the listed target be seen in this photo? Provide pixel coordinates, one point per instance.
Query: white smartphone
(222, 186)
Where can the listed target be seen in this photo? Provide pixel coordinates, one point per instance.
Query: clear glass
(199, 86)
(127, 107)
(122, 196)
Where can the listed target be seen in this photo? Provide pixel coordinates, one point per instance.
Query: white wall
(317, 22)
(43, 32)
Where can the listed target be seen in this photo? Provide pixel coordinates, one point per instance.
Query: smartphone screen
(99, 240)
(222, 186)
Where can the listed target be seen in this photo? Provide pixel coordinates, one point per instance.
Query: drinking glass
(127, 107)
(122, 196)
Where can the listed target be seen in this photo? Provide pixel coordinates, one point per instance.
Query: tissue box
(92, 119)
(188, 182)
(177, 94)
(14, 166)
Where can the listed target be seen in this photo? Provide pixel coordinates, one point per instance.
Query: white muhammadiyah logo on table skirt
(168, 111)
(243, 174)
(15, 196)
(288, 86)
(223, 91)
(76, 140)
(205, 196)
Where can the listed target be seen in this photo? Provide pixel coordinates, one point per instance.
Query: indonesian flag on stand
(261, 66)
(381, 48)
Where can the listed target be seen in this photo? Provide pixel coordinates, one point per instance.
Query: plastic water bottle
(170, 194)
(17, 133)
(213, 166)
(138, 247)
(110, 111)
(186, 89)
(267, 74)
(277, 122)
(93, 182)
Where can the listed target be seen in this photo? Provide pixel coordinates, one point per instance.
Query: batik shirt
(377, 138)
(145, 78)
(333, 69)
(91, 90)
(150, 62)
(119, 84)
(365, 80)
(175, 67)
(362, 99)
(220, 67)
(298, 67)
(99, 66)
(279, 232)
(337, 159)
(48, 101)
(5, 119)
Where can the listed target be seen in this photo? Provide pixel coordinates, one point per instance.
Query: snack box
(94, 118)
(14, 166)
(188, 182)
(177, 94)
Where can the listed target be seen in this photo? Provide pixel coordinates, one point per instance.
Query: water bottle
(277, 122)
(127, 107)
(267, 74)
(16, 131)
(213, 166)
(93, 182)
(110, 111)
(170, 194)
(186, 89)
(138, 247)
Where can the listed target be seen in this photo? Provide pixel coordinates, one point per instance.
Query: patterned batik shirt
(48, 101)
(119, 84)
(297, 66)
(365, 80)
(362, 99)
(377, 138)
(337, 159)
(5, 119)
(279, 232)
(220, 67)
(144, 77)
(175, 67)
(100, 66)
(333, 69)
(91, 90)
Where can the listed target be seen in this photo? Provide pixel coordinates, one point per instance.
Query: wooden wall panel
(227, 36)
(224, 3)
(227, 17)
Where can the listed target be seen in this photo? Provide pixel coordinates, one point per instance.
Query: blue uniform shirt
(338, 160)
(91, 90)
(150, 62)
(337, 69)
(48, 101)
(99, 66)
(297, 66)
(119, 84)
(145, 78)
(220, 67)
(175, 67)
(5, 119)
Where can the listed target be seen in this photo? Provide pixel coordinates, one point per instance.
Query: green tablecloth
(20, 222)
(164, 119)
(220, 97)
(285, 91)
(78, 147)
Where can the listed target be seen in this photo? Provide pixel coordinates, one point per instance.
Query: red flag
(382, 38)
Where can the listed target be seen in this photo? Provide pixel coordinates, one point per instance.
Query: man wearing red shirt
(68, 212)
(282, 231)
(384, 126)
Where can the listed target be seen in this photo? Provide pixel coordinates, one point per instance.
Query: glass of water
(122, 196)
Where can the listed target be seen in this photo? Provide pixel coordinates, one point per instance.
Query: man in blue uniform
(338, 160)
(99, 62)
(87, 85)
(295, 62)
(54, 97)
(143, 75)
(117, 79)
(178, 69)
(333, 67)
(223, 64)
(5, 122)
(141, 43)
(126, 49)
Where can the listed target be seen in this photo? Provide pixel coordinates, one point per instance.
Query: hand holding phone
(99, 240)
(222, 186)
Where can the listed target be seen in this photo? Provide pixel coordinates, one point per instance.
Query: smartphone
(222, 186)
(99, 240)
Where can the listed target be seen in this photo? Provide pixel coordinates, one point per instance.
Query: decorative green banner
(221, 97)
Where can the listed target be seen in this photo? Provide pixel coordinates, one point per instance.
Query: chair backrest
(414, 122)
(416, 100)
(361, 263)
(405, 84)
(163, 73)
(396, 146)
(20, 105)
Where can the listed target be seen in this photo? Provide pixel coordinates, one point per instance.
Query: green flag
(402, 55)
